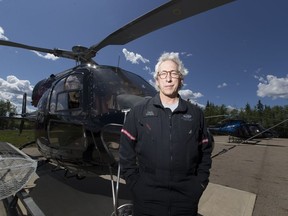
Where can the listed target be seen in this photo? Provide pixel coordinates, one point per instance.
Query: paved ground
(259, 168)
(246, 179)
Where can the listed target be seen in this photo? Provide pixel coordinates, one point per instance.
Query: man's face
(168, 79)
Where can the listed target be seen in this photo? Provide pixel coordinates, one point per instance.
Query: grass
(13, 137)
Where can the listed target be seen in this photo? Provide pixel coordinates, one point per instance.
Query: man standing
(165, 150)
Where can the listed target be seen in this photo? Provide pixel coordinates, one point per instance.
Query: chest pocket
(147, 133)
(188, 128)
(147, 124)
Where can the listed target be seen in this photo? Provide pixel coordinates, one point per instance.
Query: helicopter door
(66, 106)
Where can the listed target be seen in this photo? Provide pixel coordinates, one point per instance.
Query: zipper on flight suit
(171, 157)
(170, 141)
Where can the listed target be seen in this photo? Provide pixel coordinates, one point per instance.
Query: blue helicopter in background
(241, 131)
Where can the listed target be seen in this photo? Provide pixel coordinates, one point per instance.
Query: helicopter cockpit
(96, 90)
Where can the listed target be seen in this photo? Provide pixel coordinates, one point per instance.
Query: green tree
(6, 108)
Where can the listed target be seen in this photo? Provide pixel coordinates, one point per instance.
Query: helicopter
(74, 106)
(81, 110)
(241, 131)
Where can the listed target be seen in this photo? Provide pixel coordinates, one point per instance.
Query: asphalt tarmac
(256, 167)
(246, 180)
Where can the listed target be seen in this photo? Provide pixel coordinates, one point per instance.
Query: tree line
(265, 115)
(9, 118)
(6, 110)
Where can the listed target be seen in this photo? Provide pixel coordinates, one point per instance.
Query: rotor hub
(79, 49)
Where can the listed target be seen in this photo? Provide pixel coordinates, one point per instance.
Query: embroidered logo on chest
(187, 117)
(149, 113)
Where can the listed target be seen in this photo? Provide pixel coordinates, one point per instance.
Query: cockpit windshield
(117, 89)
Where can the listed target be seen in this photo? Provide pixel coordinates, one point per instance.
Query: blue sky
(236, 54)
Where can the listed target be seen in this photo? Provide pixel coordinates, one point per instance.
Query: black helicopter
(80, 111)
(77, 107)
(241, 131)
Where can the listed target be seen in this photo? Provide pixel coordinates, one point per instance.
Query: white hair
(173, 56)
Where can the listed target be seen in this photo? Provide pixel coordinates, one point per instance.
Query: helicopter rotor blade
(169, 13)
(23, 46)
(56, 52)
(166, 14)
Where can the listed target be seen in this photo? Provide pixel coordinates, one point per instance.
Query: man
(165, 150)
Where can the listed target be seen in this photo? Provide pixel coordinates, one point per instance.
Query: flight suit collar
(182, 107)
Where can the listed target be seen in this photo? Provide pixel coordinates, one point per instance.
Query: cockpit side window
(67, 94)
(43, 101)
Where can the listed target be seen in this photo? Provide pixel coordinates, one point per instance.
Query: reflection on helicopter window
(65, 135)
(62, 101)
(66, 94)
(116, 89)
(73, 99)
(73, 86)
(43, 101)
(103, 103)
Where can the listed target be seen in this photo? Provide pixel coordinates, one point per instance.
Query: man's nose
(168, 77)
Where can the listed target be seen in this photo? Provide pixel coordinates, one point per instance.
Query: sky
(235, 54)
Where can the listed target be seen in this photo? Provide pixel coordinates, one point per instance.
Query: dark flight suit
(165, 158)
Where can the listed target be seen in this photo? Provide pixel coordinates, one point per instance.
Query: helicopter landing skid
(125, 209)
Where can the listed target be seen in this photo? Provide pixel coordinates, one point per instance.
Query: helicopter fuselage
(80, 113)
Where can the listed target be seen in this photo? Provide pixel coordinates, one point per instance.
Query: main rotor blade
(13, 44)
(169, 13)
(56, 52)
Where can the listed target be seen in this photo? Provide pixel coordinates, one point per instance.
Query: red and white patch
(204, 141)
(128, 134)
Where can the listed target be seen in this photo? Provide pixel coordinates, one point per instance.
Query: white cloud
(261, 79)
(46, 56)
(2, 36)
(14, 85)
(146, 68)
(230, 108)
(186, 54)
(222, 85)
(258, 70)
(12, 89)
(188, 94)
(273, 87)
(134, 57)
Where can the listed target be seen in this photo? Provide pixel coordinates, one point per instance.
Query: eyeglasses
(173, 74)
